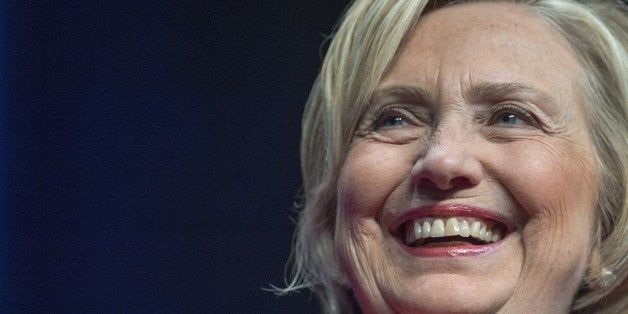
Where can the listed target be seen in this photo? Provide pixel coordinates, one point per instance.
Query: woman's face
(478, 134)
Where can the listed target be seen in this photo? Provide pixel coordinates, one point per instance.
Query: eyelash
(386, 113)
(516, 110)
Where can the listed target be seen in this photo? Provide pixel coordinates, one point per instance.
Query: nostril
(445, 185)
(460, 183)
(427, 183)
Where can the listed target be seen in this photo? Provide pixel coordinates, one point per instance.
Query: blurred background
(149, 152)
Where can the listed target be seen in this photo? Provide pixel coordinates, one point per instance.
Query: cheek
(555, 186)
(370, 174)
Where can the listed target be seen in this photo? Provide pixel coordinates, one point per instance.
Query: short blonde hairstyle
(362, 49)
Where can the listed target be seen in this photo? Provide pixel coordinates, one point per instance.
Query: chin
(449, 293)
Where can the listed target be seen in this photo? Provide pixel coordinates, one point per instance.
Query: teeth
(475, 229)
(482, 235)
(438, 229)
(496, 235)
(426, 230)
(417, 229)
(464, 229)
(453, 226)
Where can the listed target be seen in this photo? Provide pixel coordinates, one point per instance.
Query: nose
(447, 163)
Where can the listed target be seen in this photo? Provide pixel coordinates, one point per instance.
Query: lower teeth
(446, 241)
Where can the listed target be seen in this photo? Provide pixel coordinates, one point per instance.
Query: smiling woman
(465, 156)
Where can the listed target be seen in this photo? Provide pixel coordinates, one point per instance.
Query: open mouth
(451, 231)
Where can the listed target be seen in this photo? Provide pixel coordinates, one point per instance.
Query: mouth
(451, 230)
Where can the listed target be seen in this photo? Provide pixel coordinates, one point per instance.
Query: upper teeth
(453, 226)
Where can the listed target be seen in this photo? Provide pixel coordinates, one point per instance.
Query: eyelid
(516, 109)
(389, 111)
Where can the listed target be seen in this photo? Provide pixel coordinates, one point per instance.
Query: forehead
(452, 48)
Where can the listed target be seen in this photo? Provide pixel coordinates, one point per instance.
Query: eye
(511, 115)
(392, 118)
(393, 122)
(396, 124)
(509, 118)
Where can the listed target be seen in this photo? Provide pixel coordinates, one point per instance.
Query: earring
(607, 277)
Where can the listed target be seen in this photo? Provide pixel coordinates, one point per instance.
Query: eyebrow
(406, 92)
(478, 93)
(487, 91)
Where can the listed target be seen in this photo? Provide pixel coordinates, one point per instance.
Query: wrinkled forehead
(454, 49)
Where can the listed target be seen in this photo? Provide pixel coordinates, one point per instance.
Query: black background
(150, 152)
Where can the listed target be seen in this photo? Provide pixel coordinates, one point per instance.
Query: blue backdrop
(150, 152)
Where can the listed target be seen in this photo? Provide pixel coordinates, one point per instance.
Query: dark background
(150, 152)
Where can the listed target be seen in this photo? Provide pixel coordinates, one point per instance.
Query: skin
(525, 155)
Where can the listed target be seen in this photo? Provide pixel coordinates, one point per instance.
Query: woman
(468, 157)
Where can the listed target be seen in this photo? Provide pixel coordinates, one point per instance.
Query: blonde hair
(363, 47)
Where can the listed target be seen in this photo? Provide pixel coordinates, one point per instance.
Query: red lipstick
(440, 246)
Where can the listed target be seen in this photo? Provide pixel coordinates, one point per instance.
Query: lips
(451, 230)
(423, 231)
